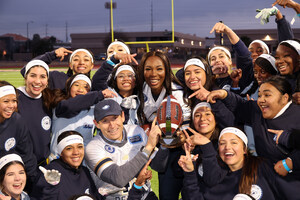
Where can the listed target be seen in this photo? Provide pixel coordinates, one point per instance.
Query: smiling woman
(12, 177)
(71, 151)
(273, 110)
(33, 96)
(74, 110)
(80, 61)
(240, 172)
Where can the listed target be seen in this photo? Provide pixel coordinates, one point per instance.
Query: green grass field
(14, 77)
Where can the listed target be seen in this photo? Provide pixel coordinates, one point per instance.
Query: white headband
(269, 58)
(71, 139)
(200, 105)
(6, 90)
(294, 44)
(221, 48)
(194, 61)
(36, 63)
(123, 68)
(83, 78)
(235, 131)
(84, 198)
(84, 50)
(10, 158)
(120, 43)
(262, 44)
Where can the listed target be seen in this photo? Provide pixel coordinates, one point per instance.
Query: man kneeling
(118, 152)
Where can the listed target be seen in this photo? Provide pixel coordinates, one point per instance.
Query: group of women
(225, 115)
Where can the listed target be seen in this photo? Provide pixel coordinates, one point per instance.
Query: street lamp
(27, 43)
(27, 28)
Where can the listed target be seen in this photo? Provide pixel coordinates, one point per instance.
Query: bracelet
(235, 88)
(137, 187)
(286, 166)
(110, 63)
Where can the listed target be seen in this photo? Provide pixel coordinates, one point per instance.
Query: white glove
(51, 176)
(265, 13)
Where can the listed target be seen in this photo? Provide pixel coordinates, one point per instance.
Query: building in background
(185, 45)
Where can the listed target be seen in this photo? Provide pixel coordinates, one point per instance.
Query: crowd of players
(73, 136)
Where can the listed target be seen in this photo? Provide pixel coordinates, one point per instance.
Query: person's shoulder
(133, 129)
(58, 73)
(95, 143)
(55, 164)
(175, 86)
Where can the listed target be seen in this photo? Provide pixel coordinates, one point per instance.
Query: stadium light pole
(27, 28)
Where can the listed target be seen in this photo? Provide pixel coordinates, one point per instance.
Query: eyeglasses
(123, 76)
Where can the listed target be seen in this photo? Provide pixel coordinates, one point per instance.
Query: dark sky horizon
(90, 16)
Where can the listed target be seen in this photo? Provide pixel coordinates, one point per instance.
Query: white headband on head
(36, 63)
(271, 60)
(84, 198)
(83, 78)
(71, 139)
(6, 90)
(200, 105)
(9, 158)
(120, 43)
(237, 132)
(123, 68)
(216, 48)
(194, 61)
(294, 44)
(262, 44)
(84, 50)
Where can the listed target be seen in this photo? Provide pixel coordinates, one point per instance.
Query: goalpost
(142, 42)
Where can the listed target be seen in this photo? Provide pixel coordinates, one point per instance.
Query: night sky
(90, 16)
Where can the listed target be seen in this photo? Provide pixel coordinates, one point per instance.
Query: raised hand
(216, 94)
(201, 93)
(144, 175)
(153, 137)
(265, 13)
(248, 98)
(296, 98)
(197, 138)
(235, 76)
(51, 176)
(125, 58)
(277, 133)
(185, 162)
(280, 169)
(108, 93)
(3, 197)
(284, 3)
(62, 52)
(219, 69)
(219, 28)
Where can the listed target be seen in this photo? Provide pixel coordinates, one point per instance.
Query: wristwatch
(145, 151)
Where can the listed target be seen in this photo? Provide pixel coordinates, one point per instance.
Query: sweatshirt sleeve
(213, 173)
(224, 116)
(239, 106)
(121, 175)
(159, 162)
(25, 149)
(99, 80)
(47, 58)
(72, 106)
(284, 30)
(244, 62)
(191, 186)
